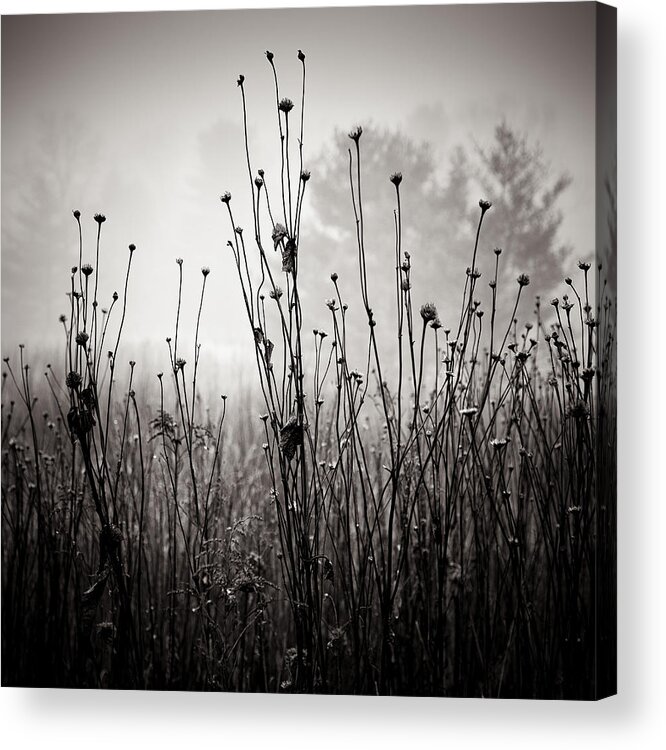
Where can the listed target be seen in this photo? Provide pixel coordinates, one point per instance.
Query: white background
(637, 716)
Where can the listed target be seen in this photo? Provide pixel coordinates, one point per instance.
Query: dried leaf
(291, 436)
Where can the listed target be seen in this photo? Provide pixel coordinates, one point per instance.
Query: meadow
(435, 519)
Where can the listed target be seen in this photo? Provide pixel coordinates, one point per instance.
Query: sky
(137, 116)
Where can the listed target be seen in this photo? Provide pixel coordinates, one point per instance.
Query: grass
(440, 522)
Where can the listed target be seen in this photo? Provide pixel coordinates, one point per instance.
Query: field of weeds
(437, 520)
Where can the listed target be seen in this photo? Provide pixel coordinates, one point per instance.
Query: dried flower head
(100, 218)
(179, 261)
(81, 338)
(86, 269)
(396, 178)
(179, 364)
(76, 213)
(523, 279)
(428, 312)
(269, 56)
(259, 181)
(484, 205)
(584, 266)
(285, 105)
(73, 380)
(301, 55)
(241, 79)
(356, 133)
(334, 277)
(205, 271)
(579, 410)
(225, 197)
(276, 293)
(305, 175)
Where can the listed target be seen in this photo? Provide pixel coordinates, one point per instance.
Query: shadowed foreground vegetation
(441, 522)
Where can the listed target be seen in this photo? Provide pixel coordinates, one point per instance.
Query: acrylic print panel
(309, 377)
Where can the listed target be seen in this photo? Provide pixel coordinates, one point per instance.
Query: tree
(435, 232)
(439, 218)
(525, 220)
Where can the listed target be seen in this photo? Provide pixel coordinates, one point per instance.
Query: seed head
(259, 181)
(76, 213)
(305, 175)
(428, 312)
(62, 318)
(115, 296)
(396, 178)
(276, 293)
(523, 279)
(498, 251)
(584, 266)
(484, 205)
(241, 79)
(73, 380)
(205, 271)
(179, 261)
(285, 105)
(225, 197)
(100, 218)
(132, 247)
(334, 277)
(269, 56)
(180, 364)
(81, 338)
(86, 269)
(356, 133)
(301, 55)
(578, 410)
